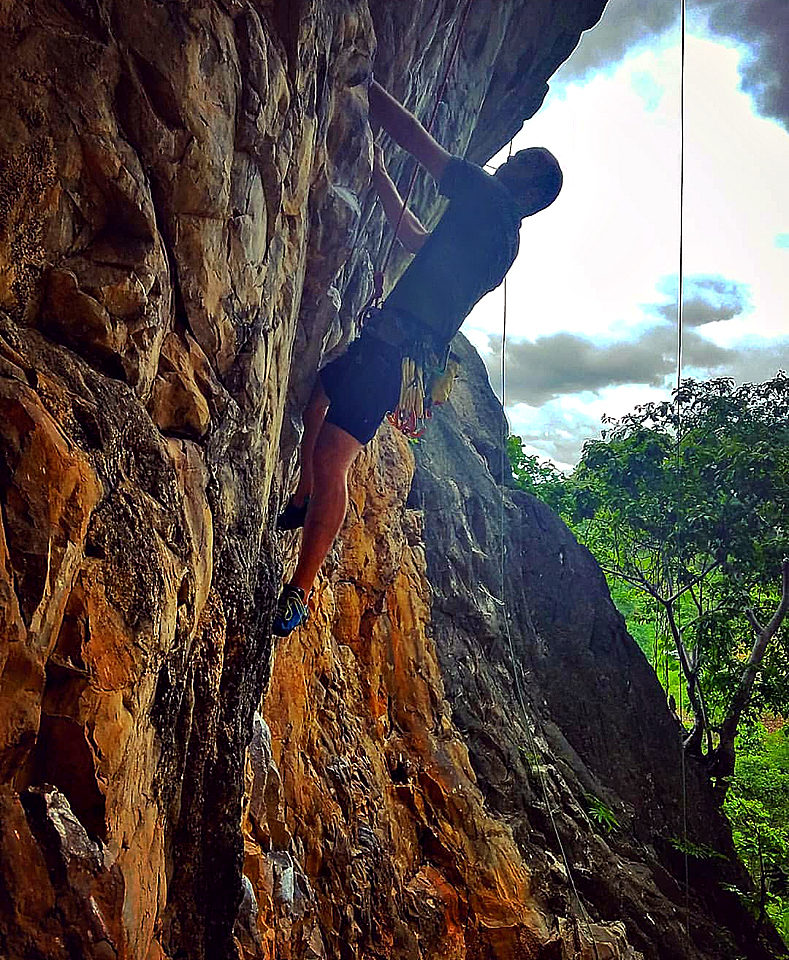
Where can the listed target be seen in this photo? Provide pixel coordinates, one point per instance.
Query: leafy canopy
(685, 504)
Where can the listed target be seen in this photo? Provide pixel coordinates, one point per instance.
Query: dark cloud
(707, 299)
(756, 363)
(551, 367)
(698, 312)
(541, 372)
(625, 25)
(762, 25)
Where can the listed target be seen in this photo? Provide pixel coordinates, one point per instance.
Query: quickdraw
(421, 389)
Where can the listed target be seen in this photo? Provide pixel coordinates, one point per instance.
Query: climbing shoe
(291, 611)
(292, 517)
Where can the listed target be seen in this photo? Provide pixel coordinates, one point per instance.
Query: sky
(592, 297)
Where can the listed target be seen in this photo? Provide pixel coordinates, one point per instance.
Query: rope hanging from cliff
(584, 913)
(379, 274)
(680, 323)
(521, 699)
(681, 266)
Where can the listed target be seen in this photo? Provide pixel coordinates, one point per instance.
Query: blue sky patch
(648, 88)
(707, 298)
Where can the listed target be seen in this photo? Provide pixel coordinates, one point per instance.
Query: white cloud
(589, 260)
(592, 265)
(760, 27)
(737, 189)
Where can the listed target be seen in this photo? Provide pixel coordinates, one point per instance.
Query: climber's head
(533, 177)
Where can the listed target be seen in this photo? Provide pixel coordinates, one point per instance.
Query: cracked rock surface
(187, 232)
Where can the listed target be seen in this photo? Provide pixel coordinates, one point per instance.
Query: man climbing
(462, 259)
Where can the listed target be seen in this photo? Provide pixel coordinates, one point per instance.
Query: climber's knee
(335, 451)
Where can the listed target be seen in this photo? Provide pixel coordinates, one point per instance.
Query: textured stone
(181, 392)
(28, 895)
(187, 230)
(438, 815)
(513, 591)
(379, 788)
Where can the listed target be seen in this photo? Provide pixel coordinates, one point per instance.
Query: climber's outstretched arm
(410, 231)
(405, 129)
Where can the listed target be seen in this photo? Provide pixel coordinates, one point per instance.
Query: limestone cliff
(187, 231)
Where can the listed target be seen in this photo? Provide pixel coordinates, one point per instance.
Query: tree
(687, 502)
(540, 477)
(757, 806)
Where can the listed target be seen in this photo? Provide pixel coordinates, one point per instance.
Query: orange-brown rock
(181, 391)
(186, 231)
(376, 779)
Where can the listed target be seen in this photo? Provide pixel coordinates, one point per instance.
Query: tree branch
(695, 600)
(699, 716)
(637, 581)
(724, 755)
(779, 615)
(689, 624)
(694, 581)
(758, 628)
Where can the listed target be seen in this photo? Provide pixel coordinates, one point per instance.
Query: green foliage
(778, 911)
(757, 805)
(684, 504)
(699, 851)
(539, 477)
(601, 814)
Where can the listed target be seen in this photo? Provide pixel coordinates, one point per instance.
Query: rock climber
(463, 258)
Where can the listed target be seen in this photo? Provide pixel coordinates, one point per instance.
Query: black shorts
(362, 385)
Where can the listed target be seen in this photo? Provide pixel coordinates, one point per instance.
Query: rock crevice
(187, 231)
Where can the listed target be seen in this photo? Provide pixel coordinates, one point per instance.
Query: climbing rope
(680, 319)
(517, 682)
(375, 300)
(583, 912)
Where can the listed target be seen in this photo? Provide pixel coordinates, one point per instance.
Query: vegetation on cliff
(757, 806)
(683, 503)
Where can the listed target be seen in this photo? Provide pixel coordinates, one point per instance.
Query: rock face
(445, 806)
(512, 586)
(187, 231)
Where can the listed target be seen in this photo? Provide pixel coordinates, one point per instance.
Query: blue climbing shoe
(292, 517)
(291, 611)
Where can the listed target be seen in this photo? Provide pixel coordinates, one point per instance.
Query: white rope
(518, 689)
(515, 673)
(680, 319)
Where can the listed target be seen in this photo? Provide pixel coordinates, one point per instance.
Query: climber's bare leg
(313, 417)
(334, 452)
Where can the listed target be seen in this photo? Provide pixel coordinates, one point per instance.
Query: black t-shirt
(466, 256)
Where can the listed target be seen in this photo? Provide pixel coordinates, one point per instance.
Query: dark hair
(551, 178)
(534, 177)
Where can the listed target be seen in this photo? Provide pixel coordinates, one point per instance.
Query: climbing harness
(426, 379)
